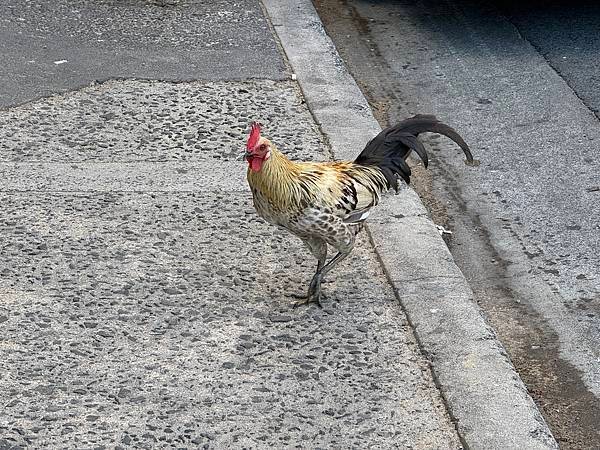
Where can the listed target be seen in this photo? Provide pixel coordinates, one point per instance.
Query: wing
(348, 189)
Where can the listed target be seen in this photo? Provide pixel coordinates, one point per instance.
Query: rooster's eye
(262, 147)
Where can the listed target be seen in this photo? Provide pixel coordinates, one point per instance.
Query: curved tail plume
(390, 148)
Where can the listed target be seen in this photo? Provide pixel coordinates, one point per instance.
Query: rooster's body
(327, 203)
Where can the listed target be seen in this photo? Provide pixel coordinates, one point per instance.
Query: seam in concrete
(486, 398)
(148, 176)
(432, 277)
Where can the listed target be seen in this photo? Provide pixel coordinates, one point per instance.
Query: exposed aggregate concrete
(164, 319)
(158, 121)
(168, 318)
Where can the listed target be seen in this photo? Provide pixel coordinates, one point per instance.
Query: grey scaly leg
(318, 248)
(314, 290)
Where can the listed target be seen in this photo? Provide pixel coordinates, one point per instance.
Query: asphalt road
(53, 47)
(518, 81)
(567, 35)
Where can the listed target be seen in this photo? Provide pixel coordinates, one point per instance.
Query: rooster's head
(258, 148)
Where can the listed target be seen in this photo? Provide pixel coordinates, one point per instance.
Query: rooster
(327, 203)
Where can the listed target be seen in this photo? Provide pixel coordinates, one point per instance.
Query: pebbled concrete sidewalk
(142, 301)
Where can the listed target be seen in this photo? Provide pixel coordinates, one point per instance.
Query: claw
(308, 300)
(314, 293)
(312, 297)
(300, 303)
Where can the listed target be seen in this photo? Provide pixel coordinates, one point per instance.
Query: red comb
(254, 136)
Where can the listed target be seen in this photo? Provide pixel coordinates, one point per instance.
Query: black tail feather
(390, 148)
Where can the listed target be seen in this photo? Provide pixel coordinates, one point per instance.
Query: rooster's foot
(305, 300)
(314, 292)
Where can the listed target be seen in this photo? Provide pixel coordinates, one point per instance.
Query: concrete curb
(485, 396)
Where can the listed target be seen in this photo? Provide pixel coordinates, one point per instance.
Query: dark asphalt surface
(567, 34)
(518, 81)
(182, 40)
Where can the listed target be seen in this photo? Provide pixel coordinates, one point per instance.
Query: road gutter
(484, 395)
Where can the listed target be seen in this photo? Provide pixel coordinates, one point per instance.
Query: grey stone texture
(141, 121)
(141, 310)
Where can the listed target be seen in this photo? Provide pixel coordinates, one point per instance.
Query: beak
(245, 155)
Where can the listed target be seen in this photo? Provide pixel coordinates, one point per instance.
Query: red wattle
(256, 163)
